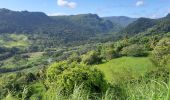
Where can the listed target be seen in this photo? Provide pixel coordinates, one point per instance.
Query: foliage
(67, 76)
(31, 41)
(74, 58)
(14, 40)
(134, 50)
(49, 31)
(161, 53)
(108, 52)
(140, 25)
(92, 57)
(153, 90)
(16, 84)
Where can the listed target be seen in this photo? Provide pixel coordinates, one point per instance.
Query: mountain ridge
(121, 20)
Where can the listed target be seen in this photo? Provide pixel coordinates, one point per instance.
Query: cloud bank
(65, 3)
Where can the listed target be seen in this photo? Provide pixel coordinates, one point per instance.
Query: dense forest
(83, 57)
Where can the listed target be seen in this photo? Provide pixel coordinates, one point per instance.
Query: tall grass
(78, 94)
(143, 90)
(148, 91)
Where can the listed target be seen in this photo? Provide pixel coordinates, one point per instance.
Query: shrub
(67, 76)
(161, 53)
(30, 77)
(109, 54)
(134, 50)
(74, 58)
(92, 57)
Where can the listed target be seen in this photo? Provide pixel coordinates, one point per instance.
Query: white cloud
(139, 3)
(66, 3)
(57, 14)
(168, 10)
(154, 16)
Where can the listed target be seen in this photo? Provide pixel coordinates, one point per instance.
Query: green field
(18, 64)
(14, 40)
(124, 68)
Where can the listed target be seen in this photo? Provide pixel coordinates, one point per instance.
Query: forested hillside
(140, 25)
(146, 25)
(123, 21)
(91, 22)
(64, 29)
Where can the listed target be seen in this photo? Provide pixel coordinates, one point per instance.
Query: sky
(131, 8)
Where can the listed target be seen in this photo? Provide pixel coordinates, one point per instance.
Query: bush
(161, 53)
(109, 54)
(74, 58)
(134, 50)
(66, 77)
(92, 57)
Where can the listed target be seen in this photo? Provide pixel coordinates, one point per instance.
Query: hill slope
(90, 22)
(121, 20)
(148, 26)
(125, 67)
(140, 25)
(57, 29)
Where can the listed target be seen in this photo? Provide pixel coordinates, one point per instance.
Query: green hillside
(14, 40)
(51, 31)
(125, 68)
(83, 57)
(123, 21)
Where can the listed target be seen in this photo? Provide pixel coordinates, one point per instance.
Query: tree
(74, 58)
(134, 50)
(161, 53)
(92, 57)
(66, 76)
(109, 53)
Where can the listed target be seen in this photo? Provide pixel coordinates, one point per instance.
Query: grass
(11, 63)
(33, 64)
(154, 90)
(124, 68)
(14, 40)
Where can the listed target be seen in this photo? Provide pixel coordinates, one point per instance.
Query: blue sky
(131, 8)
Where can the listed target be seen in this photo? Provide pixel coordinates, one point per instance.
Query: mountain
(148, 26)
(36, 22)
(65, 29)
(121, 20)
(14, 21)
(162, 26)
(90, 22)
(32, 23)
(51, 31)
(140, 25)
(55, 30)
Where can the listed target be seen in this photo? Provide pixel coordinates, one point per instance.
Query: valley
(83, 57)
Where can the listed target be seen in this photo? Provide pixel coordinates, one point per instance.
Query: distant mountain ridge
(140, 25)
(76, 28)
(62, 29)
(31, 22)
(121, 20)
(90, 22)
(148, 26)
